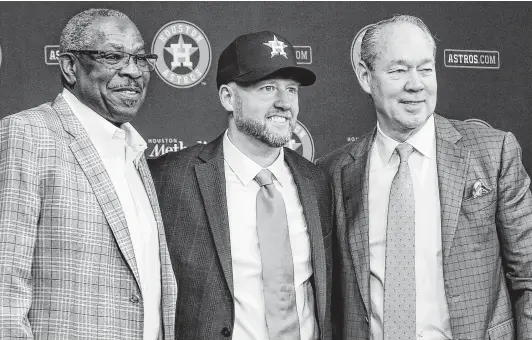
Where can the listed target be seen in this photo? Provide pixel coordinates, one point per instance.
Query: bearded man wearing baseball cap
(247, 220)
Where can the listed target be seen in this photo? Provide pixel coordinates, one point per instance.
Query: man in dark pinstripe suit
(210, 203)
(471, 245)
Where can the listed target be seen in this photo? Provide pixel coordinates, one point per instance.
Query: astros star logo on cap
(277, 47)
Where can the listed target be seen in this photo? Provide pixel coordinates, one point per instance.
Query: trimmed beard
(258, 129)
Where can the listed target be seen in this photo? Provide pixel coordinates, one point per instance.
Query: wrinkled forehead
(117, 34)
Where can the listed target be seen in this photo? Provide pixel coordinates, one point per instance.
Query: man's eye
(113, 56)
(399, 70)
(268, 88)
(292, 89)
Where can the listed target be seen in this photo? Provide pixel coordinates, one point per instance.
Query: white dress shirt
(242, 189)
(120, 150)
(432, 314)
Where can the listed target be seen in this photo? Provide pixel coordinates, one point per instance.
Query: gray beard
(259, 130)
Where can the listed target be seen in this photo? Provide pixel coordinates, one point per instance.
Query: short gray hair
(368, 48)
(76, 36)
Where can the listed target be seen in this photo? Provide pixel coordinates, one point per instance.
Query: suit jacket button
(134, 298)
(226, 332)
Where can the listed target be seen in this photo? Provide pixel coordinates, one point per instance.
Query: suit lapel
(168, 280)
(307, 197)
(355, 177)
(211, 180)
(452, 163)
(91, 164)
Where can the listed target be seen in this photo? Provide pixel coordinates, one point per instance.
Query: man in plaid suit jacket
(473, 251)
(73, 240)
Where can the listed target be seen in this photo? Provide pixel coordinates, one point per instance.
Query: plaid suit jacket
(486, 240)
(67, 267)
(191, 188)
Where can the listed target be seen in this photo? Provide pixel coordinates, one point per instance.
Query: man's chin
(124, 114)
(276, 140)
(125, 104)
(280, 130)
(417, 118)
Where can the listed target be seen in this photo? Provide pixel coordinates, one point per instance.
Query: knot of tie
(404, 150)
(264, 177)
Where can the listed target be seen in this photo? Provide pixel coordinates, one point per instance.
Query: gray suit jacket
(191, 189)
(486, 240)
(67, 267)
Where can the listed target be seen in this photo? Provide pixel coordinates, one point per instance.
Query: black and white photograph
(265, 170)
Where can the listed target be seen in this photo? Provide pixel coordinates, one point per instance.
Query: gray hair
(368, 48)
(76, 36)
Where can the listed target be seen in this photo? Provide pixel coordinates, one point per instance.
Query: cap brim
(304, 76)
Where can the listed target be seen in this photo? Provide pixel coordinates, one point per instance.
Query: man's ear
(364, 76)
(68, 66)
(227, 97)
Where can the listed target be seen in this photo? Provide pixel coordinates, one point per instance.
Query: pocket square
(479, 189)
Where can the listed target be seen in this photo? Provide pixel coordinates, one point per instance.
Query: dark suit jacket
(191, 189)
(486, 240)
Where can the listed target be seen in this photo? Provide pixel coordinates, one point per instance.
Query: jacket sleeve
(514, 223)
(19, 213)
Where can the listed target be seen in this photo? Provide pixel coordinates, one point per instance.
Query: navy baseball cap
(256, 56)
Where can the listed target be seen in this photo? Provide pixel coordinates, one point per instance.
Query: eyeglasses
(117, 60)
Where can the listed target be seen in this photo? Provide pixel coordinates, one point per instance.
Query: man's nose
(414, 82)
(283, 100)
(131, 69)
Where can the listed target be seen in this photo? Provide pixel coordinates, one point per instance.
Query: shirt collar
(423, 141)
(101, 131)
(246, 169)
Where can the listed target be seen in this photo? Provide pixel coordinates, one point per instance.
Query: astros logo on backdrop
(184, 54)
(356, 45)
(302, 142)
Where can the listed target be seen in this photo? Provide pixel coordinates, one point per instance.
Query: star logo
(184, 54)
(277, 47)
(181, 53)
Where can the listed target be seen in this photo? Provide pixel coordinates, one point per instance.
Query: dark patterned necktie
(277, 264)
(399, 277)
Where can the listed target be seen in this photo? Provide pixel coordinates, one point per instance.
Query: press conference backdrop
(484, 63)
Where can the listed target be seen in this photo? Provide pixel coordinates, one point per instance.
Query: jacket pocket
(502, 331)
(478, 204)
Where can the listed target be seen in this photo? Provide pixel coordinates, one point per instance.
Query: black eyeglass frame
(101, 54)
